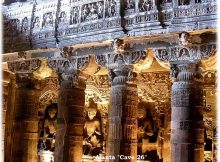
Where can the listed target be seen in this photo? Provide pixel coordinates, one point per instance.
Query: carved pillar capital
(23, 70)
(120, 62)
(68, 71)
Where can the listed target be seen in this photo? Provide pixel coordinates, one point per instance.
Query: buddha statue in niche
(145, 127)
(93, 137)
(50, 127)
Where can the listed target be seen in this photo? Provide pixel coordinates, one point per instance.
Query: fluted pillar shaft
(187, 131)
(122, 134)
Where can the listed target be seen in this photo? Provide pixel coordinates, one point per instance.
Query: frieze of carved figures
(24, 66)
(145, 5)
(92, 11)
(47, 20)
(184, 53)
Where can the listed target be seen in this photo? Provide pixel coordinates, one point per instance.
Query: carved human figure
(128, 4)
(24, 26)
(184, 53)
(68, 72)
(92, 12)
(184, 38)
(85, 12)
(74, 17)
(111, 8)
(50, 127)
(100, 9)
(92, 144)
(47, 19)
(62, 17)
(36, 22)
(145, 127)
(146, 5)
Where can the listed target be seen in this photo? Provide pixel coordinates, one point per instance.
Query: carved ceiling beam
(185, 51)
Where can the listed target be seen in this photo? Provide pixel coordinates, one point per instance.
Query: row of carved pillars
(187, 134)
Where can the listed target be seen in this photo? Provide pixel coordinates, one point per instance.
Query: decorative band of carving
(24, 66)
(185, 53)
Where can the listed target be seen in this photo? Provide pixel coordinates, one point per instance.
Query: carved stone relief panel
(44, 18)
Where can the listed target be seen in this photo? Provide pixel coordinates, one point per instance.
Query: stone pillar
(70, 122)
(187, 130)
(122, 134)
(25, 129)
(9, 118)
(69, 136)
